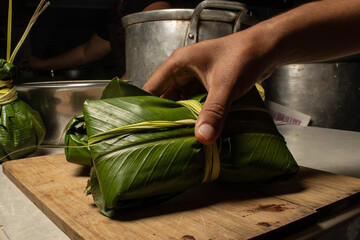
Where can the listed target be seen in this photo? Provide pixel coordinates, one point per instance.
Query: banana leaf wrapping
(144, 151)
(75, 134)
(21, 127)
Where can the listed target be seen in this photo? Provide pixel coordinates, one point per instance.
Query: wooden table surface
(209, 211)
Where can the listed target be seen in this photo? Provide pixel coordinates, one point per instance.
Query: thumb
(212, 116)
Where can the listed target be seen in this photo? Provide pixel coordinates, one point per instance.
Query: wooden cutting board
(209, 211)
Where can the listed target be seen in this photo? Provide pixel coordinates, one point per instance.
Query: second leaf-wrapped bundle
(144, 150)
(21, 127)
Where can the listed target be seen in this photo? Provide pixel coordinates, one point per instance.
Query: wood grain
(210, 211)
(322, 191)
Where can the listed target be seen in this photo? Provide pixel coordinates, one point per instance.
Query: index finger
(167, 73)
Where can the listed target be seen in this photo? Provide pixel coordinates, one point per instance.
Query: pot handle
(192, 33)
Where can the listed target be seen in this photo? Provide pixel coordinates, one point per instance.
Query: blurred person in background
(108, 38)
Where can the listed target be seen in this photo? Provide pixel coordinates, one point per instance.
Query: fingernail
(207, 131)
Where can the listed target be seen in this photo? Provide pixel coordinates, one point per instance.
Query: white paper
(285, 115)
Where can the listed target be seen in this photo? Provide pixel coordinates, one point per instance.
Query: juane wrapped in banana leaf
(143, 149)
(21, 127)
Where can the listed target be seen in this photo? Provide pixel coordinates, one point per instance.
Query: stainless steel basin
(328, 92)
(59, 101)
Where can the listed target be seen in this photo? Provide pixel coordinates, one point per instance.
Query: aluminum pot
(58, 102)
(329, 92)
(151, 37)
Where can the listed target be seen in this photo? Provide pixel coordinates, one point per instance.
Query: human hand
(31, 62)
(227, 67)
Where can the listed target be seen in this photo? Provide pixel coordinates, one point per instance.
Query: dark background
(64, 25)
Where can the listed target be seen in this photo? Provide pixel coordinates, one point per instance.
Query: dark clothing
(128, 7)
(112, 30)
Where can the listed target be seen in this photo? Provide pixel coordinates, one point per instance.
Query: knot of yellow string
(212, 157)
(8, 92)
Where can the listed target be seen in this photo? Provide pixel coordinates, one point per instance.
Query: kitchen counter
(20, 218)
(330, 150)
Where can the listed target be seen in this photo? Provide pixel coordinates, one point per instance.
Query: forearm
(317, 31)
(72, 58)
(93, 50)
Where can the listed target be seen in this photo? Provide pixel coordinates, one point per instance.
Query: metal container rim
(180, 14)
(57, 84)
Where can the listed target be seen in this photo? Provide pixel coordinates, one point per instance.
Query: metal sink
(59, 101)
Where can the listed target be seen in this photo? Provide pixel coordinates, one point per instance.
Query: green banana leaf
(120, 88)
(144, 150)
(21, 127)
(261, 154)
(75, 134)
(5, 69)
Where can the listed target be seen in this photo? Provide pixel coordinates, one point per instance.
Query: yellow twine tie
(8, 92)
(211, 152)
